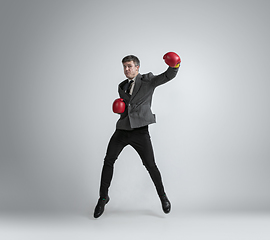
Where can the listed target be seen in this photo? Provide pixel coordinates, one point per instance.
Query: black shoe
(166, 205)
(100, 206)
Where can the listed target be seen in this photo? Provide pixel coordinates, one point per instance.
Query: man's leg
(141, 142)
(115, 146)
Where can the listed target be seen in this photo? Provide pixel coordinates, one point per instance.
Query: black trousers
(139, 139)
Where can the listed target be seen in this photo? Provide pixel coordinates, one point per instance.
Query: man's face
(130, 70)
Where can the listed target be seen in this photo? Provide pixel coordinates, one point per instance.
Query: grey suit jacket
(138, 107)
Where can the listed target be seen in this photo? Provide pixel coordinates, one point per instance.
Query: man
(132, 126)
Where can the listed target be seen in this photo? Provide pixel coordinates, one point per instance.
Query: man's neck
(133, 78)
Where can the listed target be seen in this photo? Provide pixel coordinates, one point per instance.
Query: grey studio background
(60, 67)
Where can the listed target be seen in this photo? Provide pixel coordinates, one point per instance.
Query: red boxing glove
(119, 105)
(172, 59)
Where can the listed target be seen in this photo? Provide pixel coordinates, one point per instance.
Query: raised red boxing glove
(172, 59)
(119, 105)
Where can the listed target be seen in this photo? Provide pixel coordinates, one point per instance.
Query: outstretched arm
(162, 78)
(173, 60)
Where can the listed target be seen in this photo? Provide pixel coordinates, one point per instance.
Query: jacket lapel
(121, 90)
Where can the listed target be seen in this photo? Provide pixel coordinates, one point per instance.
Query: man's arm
(162, 78)
(173, 60)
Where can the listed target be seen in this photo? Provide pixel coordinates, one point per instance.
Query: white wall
(60, 67)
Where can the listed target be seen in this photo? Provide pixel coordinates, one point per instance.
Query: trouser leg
(115, 146)
(141, 142)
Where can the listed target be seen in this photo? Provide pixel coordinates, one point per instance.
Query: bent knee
(109, 161)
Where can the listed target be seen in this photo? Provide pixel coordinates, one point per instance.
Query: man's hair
(131, 58)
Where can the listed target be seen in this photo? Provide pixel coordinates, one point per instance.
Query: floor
(137, 224)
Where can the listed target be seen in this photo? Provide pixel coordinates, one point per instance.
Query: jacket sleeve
(162, 78)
